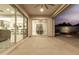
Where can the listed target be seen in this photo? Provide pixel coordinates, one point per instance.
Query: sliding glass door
(7, 29)
(25, 27)
(13, 26)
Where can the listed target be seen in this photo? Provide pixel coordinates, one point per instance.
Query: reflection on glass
(19, 26)
(25, 33)
(12, 28)
(39, 28)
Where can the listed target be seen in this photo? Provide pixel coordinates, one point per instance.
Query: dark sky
(71, 15)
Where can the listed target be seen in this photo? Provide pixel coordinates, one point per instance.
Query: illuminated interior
(15, 22)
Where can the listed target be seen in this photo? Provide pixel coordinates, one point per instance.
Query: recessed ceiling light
(8, 9)
(41, 9)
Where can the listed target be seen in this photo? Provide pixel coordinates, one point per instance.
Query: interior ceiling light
(8, 9)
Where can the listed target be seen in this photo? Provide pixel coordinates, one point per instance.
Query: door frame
(46, 26)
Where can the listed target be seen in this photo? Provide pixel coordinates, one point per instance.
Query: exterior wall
(29, 27)
(50, 26)
(53, 27)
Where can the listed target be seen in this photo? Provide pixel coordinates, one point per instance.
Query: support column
(53, 26)
(29, 27)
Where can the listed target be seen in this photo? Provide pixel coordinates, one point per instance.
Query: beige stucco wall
(53, 27)
(29, 27)
(50, 25)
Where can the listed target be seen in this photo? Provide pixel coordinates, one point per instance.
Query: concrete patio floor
(59, 45)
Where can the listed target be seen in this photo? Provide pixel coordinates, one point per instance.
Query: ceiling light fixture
(41, 9)
(8, 9)
(43, 6)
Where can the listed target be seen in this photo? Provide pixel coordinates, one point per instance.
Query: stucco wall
(29, 27)
(53, 27)
(50, 25)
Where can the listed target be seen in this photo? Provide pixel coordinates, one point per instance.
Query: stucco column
(29, 27)
(49, 27)
(53, 26)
